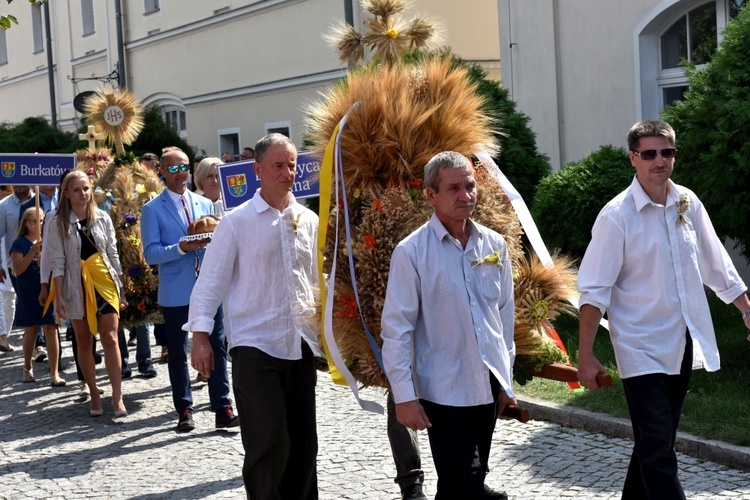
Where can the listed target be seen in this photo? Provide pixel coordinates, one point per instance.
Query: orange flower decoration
(369, 242)
(141, 306)
(377, 205)
(347, 307)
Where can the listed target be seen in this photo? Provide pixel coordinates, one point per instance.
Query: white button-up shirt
(447, 323)
(262, 264)
(647, 271)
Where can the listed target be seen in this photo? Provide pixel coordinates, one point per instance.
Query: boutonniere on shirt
(493, 258)
(683, 205)
(295, 223)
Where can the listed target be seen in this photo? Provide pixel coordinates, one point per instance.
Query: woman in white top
(206, 178)
(86, 276)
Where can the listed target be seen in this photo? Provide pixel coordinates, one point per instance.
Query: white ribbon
(328, 328)
(524, 217)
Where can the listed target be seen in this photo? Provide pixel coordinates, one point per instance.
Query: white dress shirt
(262, 264)
(647, 271)
(447, 324)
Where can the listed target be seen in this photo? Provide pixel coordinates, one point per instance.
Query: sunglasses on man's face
(650, 154)
(173, 169)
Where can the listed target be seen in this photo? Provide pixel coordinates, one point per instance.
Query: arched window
(693, 38)
(676, 31)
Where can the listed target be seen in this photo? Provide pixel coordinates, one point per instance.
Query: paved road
(50, 448)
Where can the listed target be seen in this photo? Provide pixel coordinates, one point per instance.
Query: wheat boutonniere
(683, 205)
(493, 259)
(295, 222)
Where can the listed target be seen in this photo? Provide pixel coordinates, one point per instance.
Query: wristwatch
(746, 314)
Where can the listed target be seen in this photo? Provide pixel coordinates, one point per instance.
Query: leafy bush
(567, 202)
(713, 133)
(35, 135)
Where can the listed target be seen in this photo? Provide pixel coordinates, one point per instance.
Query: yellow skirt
(96, 278)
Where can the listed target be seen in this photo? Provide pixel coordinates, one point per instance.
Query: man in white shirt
(263, 252)
(653, 247)
(447, 323)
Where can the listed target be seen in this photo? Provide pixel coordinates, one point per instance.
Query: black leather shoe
(490, 494)
(226, 418)
(126, 371)
(185, 423)
(413, 492)
(146, 369)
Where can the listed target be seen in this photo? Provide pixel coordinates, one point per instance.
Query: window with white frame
(175, 119)
(3, 48)
(87, 17)
(283, 128)
(36, 27)
(150, 6)
(693, 38)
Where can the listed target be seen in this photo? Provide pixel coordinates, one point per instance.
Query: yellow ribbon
(326, 177)
(96, 278)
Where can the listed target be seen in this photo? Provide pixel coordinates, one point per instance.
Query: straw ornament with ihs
(122, 186)
(405, 113)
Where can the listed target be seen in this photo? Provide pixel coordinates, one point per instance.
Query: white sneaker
(40, 354)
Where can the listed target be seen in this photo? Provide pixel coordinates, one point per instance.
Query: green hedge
(567, 202)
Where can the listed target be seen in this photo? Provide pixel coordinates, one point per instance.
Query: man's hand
(2, 275)
(588, 368)
(189, 246)
(505, 400)
(412, 415)
(202, 355)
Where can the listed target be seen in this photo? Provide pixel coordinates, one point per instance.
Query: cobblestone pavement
(50, 448)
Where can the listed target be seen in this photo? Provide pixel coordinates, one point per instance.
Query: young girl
(24, 257)
(86, 275)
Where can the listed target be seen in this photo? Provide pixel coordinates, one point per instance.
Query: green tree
(567, 202)
(712, 123)
(35, 135)
(157, 134)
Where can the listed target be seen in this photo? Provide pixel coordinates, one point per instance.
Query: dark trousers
(405, 449)
(179, 370)
(655, 402)
(160, 335)
(276, 402)
(460, 440)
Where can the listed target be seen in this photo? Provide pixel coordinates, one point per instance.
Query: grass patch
(717, 405)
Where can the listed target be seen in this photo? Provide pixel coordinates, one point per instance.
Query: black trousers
(276, 401)
(460, 440)
(655, 403)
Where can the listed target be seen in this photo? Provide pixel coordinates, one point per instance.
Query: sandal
(28, 375)
(57, 382)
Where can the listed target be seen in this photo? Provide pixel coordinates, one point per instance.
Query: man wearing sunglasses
(653, 248)
(164, 221)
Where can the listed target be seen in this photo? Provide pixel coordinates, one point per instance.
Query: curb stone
(736, 457)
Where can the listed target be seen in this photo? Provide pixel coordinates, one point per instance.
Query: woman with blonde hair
(25, 253)
(207, 184)
(86, 277)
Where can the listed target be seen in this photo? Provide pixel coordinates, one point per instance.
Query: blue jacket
(161, 230)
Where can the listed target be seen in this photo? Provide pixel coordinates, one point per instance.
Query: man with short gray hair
(448, 323)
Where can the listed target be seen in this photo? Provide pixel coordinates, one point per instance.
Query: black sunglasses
(650, 154)
(174, 168)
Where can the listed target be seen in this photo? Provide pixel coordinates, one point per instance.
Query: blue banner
(239, 182)
(34, 169)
